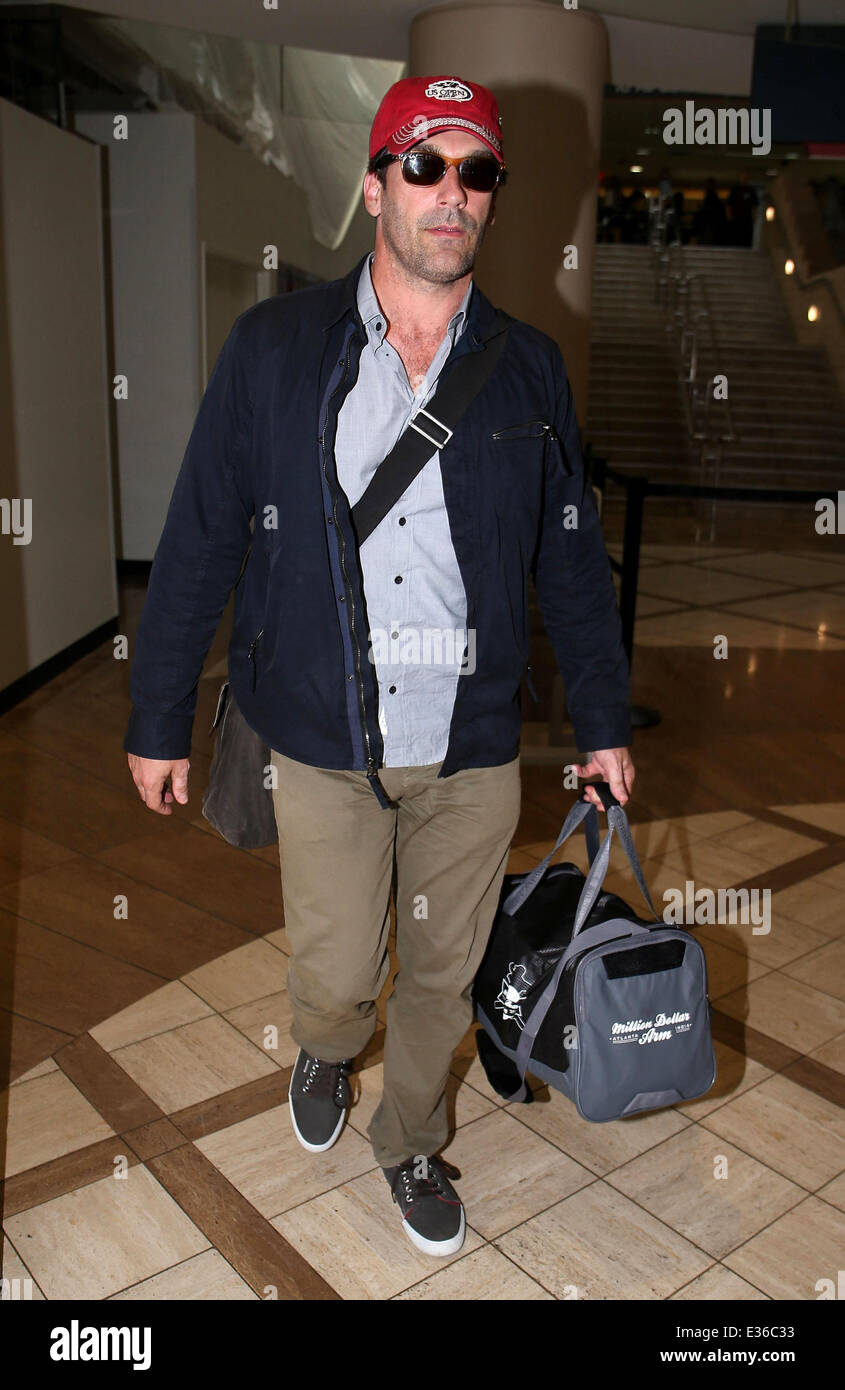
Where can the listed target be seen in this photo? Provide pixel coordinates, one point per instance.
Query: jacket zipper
(251, 653)
(511, 430)
(371, 762)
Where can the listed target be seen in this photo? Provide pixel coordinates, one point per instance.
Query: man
(383, 762)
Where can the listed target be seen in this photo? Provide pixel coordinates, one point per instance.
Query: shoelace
(327, 1079)
(414, 1187)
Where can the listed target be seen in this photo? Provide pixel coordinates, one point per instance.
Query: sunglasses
(478, 172)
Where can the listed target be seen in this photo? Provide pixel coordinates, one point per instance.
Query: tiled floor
(149, 1150)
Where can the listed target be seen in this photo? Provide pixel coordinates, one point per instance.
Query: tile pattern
(150, 1153)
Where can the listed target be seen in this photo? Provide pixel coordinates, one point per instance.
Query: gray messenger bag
(605, 1006)
(238, 801)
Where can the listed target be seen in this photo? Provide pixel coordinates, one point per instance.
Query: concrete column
(547, 66)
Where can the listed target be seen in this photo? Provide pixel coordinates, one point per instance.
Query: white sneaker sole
(436, 1247)
(315, 1148)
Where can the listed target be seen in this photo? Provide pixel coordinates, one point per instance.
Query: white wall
(156, 310)
(53, 393)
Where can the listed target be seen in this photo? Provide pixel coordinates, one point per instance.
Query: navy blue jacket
(298, 656)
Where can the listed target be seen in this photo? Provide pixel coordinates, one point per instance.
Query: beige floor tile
(831, 1054)
(262, 1157)
(735, 1074)
(783, 568)
(716, 1285)
(603, 1246)
(834, 878)
(205, 1276)
(193, 1063)
(652, 839)
(698, 627)
(255, 1018)
(787, 1009)
(784, 942)
(49, 1117)
(707, 824)
(829, 816)
(702, 585)
(787, 1127)
(279, 939)
(712, 864)
(249, 972)
(727, 969)
(105, 1236)
(463, 1103)
(816, 902)
(770, 844)
(353, 1237)
(695, 553)
(509, 1173)
(824, 969)
(834, 1192)
(678, 1183)
(486, 1275)
(20, 1283)
(600, 1148)
(41, 1069)
(169, 1007)
(811, 608)
(788, 1259)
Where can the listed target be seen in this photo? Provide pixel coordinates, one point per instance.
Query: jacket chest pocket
(518, 455)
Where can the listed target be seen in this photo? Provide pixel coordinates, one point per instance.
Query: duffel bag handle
(618, 821)
(585, 811)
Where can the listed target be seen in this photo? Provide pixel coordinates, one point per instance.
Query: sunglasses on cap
(479, 172)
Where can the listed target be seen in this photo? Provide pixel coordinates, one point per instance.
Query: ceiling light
(813, 313)
(788, 267)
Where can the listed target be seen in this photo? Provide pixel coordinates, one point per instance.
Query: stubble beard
(405, 240)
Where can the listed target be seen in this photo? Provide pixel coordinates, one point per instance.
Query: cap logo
(448, 89)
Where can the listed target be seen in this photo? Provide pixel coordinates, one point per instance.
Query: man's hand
(615, 767)
(150, 776)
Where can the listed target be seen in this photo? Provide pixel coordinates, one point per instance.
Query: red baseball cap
(414, 108)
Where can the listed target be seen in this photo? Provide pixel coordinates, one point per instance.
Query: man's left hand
(615, 767)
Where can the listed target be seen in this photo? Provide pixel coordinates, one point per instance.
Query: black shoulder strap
(430, 428)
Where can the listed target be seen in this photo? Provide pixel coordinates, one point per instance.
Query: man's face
(434, 233)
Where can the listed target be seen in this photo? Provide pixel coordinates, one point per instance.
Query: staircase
(787, 411)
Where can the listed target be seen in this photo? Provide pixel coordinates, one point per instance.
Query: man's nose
(450, 189)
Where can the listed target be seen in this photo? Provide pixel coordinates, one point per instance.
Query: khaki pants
(449, 838)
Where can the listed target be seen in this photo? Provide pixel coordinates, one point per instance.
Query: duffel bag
(603, 1005)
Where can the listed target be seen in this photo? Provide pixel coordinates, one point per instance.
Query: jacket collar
(341, 301)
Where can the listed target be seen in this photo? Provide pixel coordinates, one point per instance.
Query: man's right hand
(150, 777)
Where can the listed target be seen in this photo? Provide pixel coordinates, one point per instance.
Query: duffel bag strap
(616, 820)
(515, 899)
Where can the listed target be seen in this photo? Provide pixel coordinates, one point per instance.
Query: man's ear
(372, 192)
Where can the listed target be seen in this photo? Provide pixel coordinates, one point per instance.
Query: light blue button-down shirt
(414, 593)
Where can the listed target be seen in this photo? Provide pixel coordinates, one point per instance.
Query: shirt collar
(374, 320)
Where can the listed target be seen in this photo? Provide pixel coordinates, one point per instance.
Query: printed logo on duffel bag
(510, 997)
(647, 1030)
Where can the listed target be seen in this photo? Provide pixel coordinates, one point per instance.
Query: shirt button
(379, 326)
(398, 579)
(394, 634)
(392, 689)
(401, 521)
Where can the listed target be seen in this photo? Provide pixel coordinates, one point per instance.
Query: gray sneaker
(318, 1099)
(432, 1214)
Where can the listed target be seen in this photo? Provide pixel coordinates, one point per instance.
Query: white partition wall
(60, 585)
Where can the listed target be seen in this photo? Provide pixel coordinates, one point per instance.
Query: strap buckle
(438, 443)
